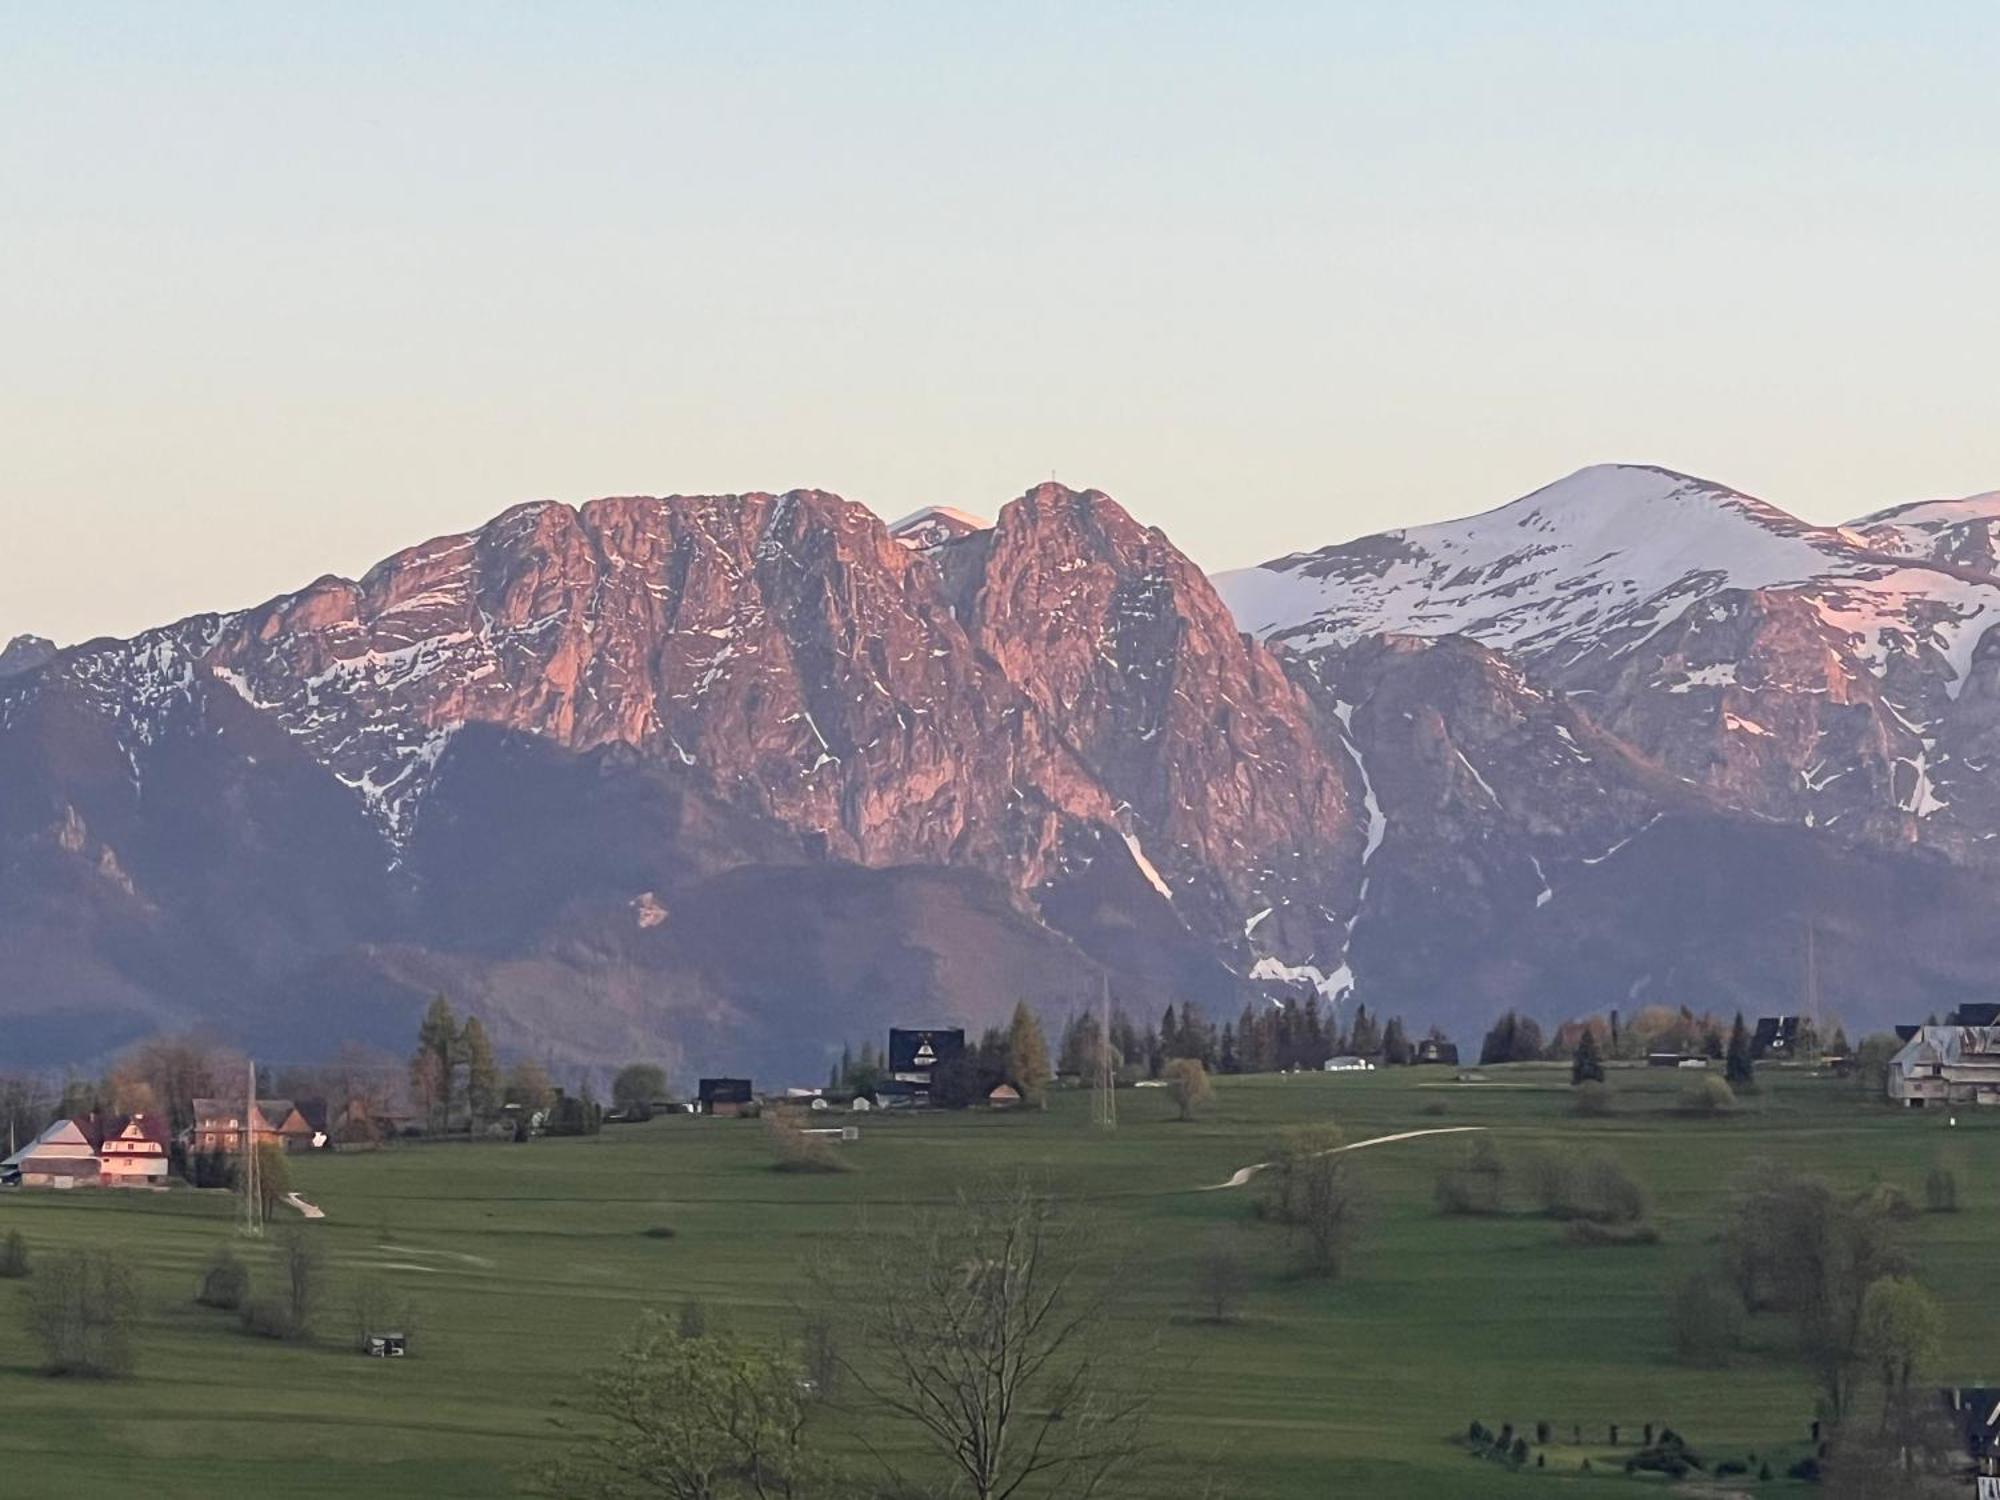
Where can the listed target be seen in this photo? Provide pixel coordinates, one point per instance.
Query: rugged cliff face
(769, 680)
(729, 779)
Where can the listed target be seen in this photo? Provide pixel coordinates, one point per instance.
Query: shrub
(14, 1256)
(1473, 1184)
(1591, 1100)
(1603, 1192)
(80, 1310)
(1707, 1097)
(660, 1232)
(1941, 1190)
(1888, 1201)
(1220, 1278)
(267, 1318)
(792, 1150)
(225, 1281)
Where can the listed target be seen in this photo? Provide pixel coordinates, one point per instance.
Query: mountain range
(726, 780)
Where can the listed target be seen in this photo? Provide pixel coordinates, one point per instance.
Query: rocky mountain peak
(25, 653)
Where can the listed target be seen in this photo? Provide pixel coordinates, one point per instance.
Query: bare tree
(1220, 1276)
(982, 1327)
(1307, 1188)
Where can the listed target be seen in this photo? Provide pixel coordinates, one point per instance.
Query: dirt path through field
(1245, 1174)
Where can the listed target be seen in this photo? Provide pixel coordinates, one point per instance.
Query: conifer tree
(1738, 1068)
(1028, 1056)
(482, 1073)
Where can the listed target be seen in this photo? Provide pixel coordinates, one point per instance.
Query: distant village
(1956, 1061)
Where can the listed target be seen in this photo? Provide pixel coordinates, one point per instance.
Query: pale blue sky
(283, 288)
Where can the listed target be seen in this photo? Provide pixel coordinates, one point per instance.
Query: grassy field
(529, 1262)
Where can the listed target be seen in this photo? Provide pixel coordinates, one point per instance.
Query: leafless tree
(983, 1327)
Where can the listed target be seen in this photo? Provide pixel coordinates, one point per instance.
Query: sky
(284, 288)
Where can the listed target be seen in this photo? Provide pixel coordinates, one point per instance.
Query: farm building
(1947, 1065)
(289, 1125)
(725, 1096)
(1975, 1411)
(133, 1152)
(916, 1055)
(63, 1156)
(95, 1151)
(1348, 1065)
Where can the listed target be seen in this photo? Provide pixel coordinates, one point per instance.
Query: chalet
(1775, 1040)
(1432, 1050)
(916, 1055)
(1975, 1411)
(63, 1156)
(219, 1125)
(132, 1152)
(1947, 1065)
(725, 1097)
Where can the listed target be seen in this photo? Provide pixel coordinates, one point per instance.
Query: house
(1432, 1050)
(1348, 1065)
(63, 1156)
(1775, 1040)
(726, 1097)
(1975, 1411)
(1947, 1065)
(1004, 1096)
(132, 1152)
(219, 1125)
(1979, 1013)
(915, 1055)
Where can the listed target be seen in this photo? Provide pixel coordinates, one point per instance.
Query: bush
(660, 1232)
(1603, 1192)
(80, 1310)
(1941, 1190)
(1707, 1097)
(1474, 1184)
(225, 1282)
(14, 1256)
(792, 1150)
(267, 1318)
(1888, 1201)
(1591, 1100)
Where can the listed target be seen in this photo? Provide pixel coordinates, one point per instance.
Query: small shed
(389, 1344)
(725, 1096)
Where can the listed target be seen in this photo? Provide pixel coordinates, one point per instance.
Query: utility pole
(253, 1203)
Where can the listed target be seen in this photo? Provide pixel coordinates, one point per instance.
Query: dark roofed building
(1430, 1050)
(1980, 1013)
(1776, 1038)
(1975, 1410)
(915, 1055)
(724, 1096)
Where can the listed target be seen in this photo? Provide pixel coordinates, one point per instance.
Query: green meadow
(528, 1264)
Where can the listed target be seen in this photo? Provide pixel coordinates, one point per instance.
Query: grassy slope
(529, 1262)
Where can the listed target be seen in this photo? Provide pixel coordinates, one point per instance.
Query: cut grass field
(529, 1263)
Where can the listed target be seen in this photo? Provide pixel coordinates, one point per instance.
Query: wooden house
(726, 1097)
(132, 1152)
(219, 1125)
(63, 1156)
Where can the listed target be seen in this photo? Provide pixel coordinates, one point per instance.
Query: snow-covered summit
(1613, 544)
(1959, 532)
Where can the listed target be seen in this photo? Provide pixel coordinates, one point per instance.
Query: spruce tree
(1738, 1068)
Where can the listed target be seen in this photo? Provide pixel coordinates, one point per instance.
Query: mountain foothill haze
(726, 780)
